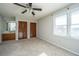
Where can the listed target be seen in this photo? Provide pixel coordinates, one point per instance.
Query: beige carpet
(31, 47)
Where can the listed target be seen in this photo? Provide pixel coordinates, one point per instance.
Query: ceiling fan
(28, 6)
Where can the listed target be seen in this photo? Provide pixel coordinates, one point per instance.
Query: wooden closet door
(32, 30)
(22, 30)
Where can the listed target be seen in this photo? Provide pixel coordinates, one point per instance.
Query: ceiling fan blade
(30, 4)
(38, 9)
(24, 11)
(33, 13)
(19, 5)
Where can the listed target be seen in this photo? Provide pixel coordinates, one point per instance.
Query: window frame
(54, 22)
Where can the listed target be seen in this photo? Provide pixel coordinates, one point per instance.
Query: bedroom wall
(45, 32)
(0, 29)
(2, 26)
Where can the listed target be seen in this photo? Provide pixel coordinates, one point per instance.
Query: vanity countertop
(6, 32)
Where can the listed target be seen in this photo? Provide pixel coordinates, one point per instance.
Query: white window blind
(61, 25)
(75, 24)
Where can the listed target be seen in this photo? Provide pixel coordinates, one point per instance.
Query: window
(61, 25)
(67, 24)
(75, 24)
(11, 26)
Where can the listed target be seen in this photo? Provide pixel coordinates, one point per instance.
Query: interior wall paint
(0, 29)
(45, 32)
(3, 25)
(4, 21)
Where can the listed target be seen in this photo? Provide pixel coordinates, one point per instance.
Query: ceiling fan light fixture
(29, 7)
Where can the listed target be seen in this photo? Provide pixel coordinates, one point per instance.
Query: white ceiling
(9, 9)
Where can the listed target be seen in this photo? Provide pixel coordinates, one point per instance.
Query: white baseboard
(61, 47)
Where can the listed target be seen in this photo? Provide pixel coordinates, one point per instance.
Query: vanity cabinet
(8, 36)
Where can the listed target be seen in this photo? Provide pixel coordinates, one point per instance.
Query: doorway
(32, 30)
(22, 30)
